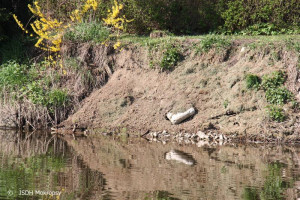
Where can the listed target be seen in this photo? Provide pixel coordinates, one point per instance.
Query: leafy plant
(170, 58)
(212, 41)
(253, 81)
(276, 113)
(57, 98)
(225, 103)
(276, 79)
(278, 96)
(13, 75)
(264, 29)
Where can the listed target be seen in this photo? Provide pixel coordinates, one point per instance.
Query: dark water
(40, 166)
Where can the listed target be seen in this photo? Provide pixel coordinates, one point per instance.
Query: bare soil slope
(138, 97)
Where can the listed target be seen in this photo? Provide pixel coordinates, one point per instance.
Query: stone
(202, 136)
(179, 117)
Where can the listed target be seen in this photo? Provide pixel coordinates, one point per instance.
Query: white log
(179, 117)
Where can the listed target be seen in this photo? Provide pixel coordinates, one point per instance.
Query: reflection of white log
(180, 157)
(179, 117)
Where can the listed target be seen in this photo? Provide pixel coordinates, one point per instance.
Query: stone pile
(199, 138)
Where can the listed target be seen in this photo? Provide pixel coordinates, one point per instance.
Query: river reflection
(107, 168)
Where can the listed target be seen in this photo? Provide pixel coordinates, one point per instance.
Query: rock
(243, 49)
(202, 136)
(187, 135)
(202, 143)
(179, 117)
(221, 137)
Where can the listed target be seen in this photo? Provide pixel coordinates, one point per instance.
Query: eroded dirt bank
(137, 97)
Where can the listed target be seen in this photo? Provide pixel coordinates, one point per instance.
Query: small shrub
(35, 93)
(170, 58)
(263, 29)
(253, 81)
(213, 41)
(85, 32)
(278, 96)
(225, 103)
(276, 79)
(57, 98)
(13, 75)
(276, 113)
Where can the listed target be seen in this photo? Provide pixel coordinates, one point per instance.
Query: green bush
(13, 75)
(57, 98)
(264, 29)
(213, 41)
(253, 81)
(278, 96)
(84, 32)
(170, 58)
(240, 14)
(276, 113)
(276, 79)
(35, 93)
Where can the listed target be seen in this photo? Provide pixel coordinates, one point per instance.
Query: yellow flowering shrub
(50, 31)
(116, 20)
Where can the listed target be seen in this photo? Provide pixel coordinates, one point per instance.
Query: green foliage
(225, 103)
(213, 41)
(276, 113)
(84, 32)
(276, 79)
(262, 17)
(251, 194)
(170, 58)
(13, 75)
(265, 29)
(35, 93)
(293, 45)
(52, 99)
(278, 96)
(253, 81)
(57, 98)
(23, 82)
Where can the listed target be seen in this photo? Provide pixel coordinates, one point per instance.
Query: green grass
(143, 40)
(85, 32)
(213, 41)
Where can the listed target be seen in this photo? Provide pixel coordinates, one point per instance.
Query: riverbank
(210, 76)
(139, 84)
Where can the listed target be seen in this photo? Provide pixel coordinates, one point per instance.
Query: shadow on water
(106, 168)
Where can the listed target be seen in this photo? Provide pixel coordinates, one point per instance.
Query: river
(43, 166)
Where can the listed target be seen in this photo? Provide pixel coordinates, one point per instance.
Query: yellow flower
(117, 45)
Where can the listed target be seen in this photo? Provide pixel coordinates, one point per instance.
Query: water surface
(38, 165)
